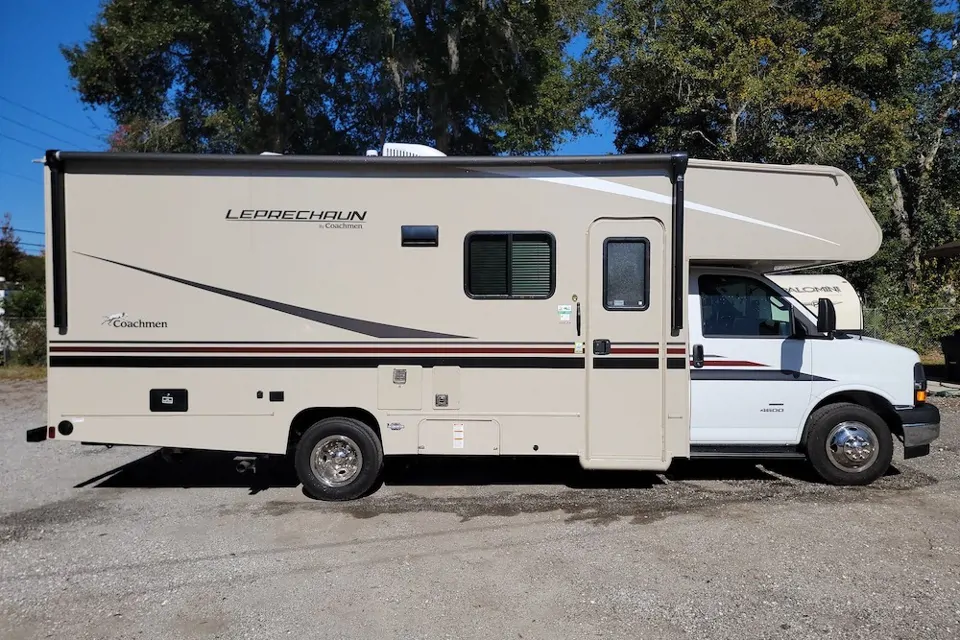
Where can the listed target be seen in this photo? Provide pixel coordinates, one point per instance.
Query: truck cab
(766, 380)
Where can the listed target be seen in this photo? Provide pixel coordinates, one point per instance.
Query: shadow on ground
(216, 469)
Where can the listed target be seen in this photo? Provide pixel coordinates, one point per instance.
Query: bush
(24, 342)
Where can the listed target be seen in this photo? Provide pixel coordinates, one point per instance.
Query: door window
(625, 265)
(734, 306)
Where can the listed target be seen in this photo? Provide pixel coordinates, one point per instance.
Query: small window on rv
(736, 306)
(510, 265)
(625, 285)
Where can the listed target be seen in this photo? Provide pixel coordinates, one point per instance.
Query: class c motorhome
(343, 309)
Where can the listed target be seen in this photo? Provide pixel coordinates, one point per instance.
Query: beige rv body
(168, 279)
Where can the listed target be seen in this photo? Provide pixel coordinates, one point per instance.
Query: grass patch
(22, 372)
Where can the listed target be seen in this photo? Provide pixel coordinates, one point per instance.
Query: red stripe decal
(330, 350)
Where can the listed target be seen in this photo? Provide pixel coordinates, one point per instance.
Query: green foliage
(333, 76)
(10, 254)
(22, 325)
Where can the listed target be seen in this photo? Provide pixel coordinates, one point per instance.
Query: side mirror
(826, 316)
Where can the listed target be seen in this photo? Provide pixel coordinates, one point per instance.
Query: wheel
(848, 444)
(338, 459)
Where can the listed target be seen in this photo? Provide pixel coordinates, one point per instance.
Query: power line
(26, 144)
(31, 244)
(41, 132)
(39, 233)
(17, 175)
(53, 120)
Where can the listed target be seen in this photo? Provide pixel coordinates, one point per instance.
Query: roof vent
(404, 149)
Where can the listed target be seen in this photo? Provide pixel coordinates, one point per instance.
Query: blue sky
(39, 110)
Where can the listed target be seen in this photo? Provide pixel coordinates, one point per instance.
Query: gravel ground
(193, 550)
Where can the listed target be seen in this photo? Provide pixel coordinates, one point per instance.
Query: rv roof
(116, 159)
(764, 216)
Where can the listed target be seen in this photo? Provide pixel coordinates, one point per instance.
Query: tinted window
(510, 265)
(625, 274)
(739, 306)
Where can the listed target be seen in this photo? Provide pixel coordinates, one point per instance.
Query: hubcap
(852, 446)
(336, 460)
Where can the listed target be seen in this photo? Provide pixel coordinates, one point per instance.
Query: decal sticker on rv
(330, 219)
(458, 435)
(121, 321)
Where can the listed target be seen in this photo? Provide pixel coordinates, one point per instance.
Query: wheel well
(308, 417)
(876, 403)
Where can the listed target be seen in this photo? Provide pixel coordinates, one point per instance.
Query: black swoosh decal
(366, 327)
(771, 375)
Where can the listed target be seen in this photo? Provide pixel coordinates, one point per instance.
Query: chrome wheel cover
(336, 460)
(852, 446)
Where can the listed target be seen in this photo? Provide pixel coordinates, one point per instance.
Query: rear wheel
(338, 459)
(848, 444)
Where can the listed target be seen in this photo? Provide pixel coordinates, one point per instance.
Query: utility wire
(17, 175)
(59, 122)
(26, 144)
(40, 131)
(39, 233)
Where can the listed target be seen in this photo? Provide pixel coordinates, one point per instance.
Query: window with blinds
(509, 265)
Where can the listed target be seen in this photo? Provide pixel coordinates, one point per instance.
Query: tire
(853, 465)
(346, 437)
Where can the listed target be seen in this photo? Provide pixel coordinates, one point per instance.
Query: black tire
(344, 434)
(856, 472)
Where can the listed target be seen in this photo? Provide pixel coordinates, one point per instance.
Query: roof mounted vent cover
(404, 149)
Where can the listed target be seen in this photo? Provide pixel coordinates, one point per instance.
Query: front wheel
(338, 459)
(848, 444)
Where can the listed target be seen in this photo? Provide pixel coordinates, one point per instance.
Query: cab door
(756, 379)
(625, 348)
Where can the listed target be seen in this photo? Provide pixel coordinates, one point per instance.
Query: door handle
(601, 347)
(698, 356)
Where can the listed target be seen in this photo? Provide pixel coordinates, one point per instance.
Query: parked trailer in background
(809, 288)
(343, 309)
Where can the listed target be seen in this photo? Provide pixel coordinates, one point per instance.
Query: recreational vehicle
(342, 309)
(809, 288)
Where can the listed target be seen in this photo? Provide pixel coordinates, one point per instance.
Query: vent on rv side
(419, 235)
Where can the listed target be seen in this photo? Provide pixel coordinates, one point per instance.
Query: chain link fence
(23, 341)
(919, 329)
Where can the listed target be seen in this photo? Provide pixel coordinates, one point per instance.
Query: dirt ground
(117, 543)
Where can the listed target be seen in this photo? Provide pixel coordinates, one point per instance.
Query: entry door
(625, 348)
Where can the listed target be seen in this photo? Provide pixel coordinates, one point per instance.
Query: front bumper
(921, 425)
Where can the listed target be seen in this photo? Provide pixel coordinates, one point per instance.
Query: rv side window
(742, 307)
(625, 285)
(509, 265)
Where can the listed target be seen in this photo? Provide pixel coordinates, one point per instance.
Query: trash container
(950, 345)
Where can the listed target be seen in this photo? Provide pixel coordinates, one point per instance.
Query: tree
(484, 77)
(333, 76)
(10, 253)
(869, 87)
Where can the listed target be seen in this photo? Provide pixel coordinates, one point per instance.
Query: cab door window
(735, 306)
